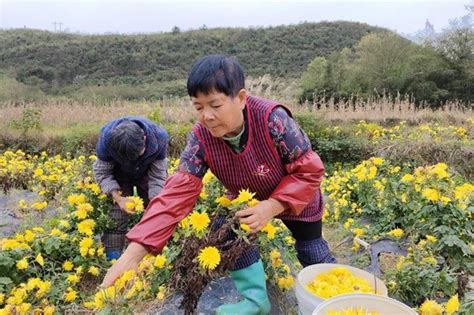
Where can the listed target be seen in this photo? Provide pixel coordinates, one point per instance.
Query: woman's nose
(208, 115)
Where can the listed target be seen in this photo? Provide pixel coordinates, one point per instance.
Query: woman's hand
(129, 260)
(258, 216)
(121, 201)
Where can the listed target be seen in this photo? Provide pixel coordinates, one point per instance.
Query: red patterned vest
(258, 168)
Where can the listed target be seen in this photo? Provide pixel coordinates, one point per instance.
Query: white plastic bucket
(307, 301)
(383, 305)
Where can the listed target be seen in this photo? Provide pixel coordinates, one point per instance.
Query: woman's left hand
(258, 216)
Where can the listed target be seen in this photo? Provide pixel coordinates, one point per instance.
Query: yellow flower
(453, 305)
(431, 238)
(38, 172)
(223, 201)
(68, 266)
(290, 240)
(463, 192)
(209, 257)
(430, 307)
(39, 259)
(203, 194)
(22, 204)
(70, 295)
(161, 293)
(184, 223)
(274, 254)
(23, 308)
(338, 281)
(430, 261)
(86, 227)
(207, 177)
(396, 233)
(252, 202)
(55, 232)
(245, 227)
(134, 204)
(29, 236)
(377, 160)
(39, 205)
(285, 283)
(199, 221)
(270, 230)
(49, 310)
(64, 224)
(93, 270)
(431, 194)
(348, 223)
(407, 178)
(358, 232)
(244, 196)
(80, 214)
(86, 207)
(73, 279)
(160, 261)
(76, 199)
(22, 264)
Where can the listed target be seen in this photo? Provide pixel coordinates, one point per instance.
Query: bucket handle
(367, 247)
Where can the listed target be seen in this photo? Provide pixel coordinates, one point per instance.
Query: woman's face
(220, 114)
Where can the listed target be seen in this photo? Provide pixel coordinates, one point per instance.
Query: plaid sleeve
(103, 173)
(193, 157)
(288, 138)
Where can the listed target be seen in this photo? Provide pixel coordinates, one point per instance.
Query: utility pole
(57, 24)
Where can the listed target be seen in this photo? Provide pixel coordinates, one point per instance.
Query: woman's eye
(216, 107)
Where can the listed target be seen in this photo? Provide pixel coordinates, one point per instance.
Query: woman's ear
(242, 98)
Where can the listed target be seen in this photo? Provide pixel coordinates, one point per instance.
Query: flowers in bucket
(338, 281)
(352, 311)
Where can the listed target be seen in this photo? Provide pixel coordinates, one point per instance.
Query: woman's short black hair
(127, 141)
(216, 73)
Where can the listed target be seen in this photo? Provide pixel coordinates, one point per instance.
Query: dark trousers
(114, 238)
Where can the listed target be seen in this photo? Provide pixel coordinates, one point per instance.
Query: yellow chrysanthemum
(431, 194)
(430, 307)
(396, 233)
(352, 311)
(338, 281)
(245, 227)
(134, 204)
(160, 261)
(49, 310)
(70, 295)
(244, 196)
(223, 201)
(453, 305)
(86, 227)
(199, 221)
(68, 266)
(93, 270)
(73, 279)
(209, 257)
(39, 259)
(76, 199)
(22, 264)
(270, 230)
(286, 283)
(407, 178)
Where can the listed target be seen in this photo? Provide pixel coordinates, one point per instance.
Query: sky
(151, 16)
